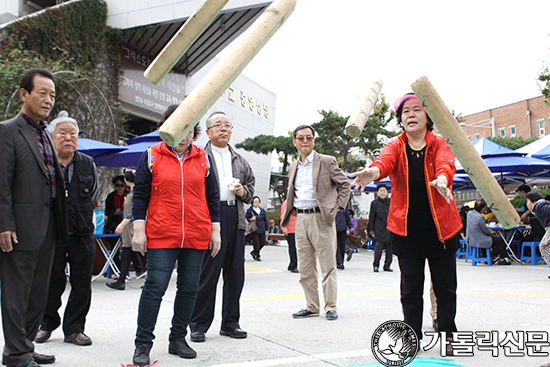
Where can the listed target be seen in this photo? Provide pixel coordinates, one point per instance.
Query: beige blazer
(328, 179)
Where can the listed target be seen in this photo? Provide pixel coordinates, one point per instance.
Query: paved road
(505, 298)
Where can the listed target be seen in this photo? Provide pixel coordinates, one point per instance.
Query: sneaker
(503, 262)
(182, 349)
(375, 269)
(141, 355)
(340, 266)
(304, 313)
(388, 269)
(331, 315)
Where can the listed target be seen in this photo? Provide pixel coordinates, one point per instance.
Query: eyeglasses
(120, 185)
(219, 126)
(308, 138)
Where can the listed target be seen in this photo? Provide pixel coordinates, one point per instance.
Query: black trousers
(291, 240)
(258, 242)
(129, 256)
(79, 254)
(443, 275)
(341, 239)
(231, 260)
(498, 247)
(24, 279)
(378, 248)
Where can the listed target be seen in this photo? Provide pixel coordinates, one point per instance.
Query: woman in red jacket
(423, 219)
(177, 191)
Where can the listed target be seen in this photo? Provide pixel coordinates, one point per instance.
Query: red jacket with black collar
(438, 160)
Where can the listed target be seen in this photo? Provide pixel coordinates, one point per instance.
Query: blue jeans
(160, 264)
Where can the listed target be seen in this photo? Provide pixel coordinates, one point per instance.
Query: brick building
(527, 118)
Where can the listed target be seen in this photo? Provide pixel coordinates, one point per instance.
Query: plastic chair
(477, 258)
(532, 255)
(469, 253)
(371, 242)
(462, 249)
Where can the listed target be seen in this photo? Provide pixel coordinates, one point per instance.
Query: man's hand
(364, 177)
(6, 239)
(215, 240)
(238, 189)
(440, 183)
(140, 236)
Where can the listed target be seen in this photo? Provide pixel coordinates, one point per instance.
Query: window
(502, 132)
(540, 123)
(513, 131)
(476, 136)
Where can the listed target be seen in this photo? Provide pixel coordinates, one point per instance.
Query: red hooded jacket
(438, 160)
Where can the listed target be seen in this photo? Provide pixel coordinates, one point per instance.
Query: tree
(333, 140)
(544, 84)
(513, 143)
(282, 145)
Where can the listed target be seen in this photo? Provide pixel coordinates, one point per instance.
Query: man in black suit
(32, 218)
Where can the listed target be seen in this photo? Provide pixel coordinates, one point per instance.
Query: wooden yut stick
(214, 84)
(183, 39)
(463, 149)
(358, 119)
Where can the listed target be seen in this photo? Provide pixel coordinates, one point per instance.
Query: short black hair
(257, 197)
(524, 188)
(27, 80)
(399, 111)
(170, 110)
(118, 178)
(479, 205)
(464, 210)
(302, 127)
(129, 176)
(534, 196)
(381, 185)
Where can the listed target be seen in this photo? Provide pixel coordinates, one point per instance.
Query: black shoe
(388, 269)
(42, 335)
(253, 255)
(340, 266)
(435, 324)
(375, 269)
(236, 333)
(78, 338)
(350, 254)
(27, 363)
(141, 355)
(304, 313)
(182, 349)
(43, 358)
(331, 315)
(116, 285)
(198, 337)
(503, 262)
(297, 271)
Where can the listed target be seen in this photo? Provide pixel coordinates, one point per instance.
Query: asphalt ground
(501, 299)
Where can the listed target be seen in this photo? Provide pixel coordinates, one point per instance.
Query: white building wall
(246, 122)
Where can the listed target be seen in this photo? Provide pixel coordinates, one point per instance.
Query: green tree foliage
(544, 84)
(283, 146)
(512, 143)
(333, 140)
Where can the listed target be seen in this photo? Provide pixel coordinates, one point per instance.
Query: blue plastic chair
(462, 250)
(477, 258)
(532, 255)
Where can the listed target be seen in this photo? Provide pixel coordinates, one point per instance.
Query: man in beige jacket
(317, 189)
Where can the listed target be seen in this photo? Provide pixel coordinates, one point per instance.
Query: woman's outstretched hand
(364, 177)
(440, 183)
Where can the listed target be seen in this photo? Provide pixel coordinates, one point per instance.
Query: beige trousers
(315, 240)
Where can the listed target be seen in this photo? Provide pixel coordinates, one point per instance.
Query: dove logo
(394, 343)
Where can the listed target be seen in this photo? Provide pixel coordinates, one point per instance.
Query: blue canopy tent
(129, 157)
(535, 146)
(152, 136)
(487, 148)
(98, 150)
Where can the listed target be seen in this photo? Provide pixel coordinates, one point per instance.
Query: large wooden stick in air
(358, 119)
(214, 84)
(463, 149)
(183, 39)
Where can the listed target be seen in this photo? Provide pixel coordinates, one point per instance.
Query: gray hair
(62, 116)
(209, 119)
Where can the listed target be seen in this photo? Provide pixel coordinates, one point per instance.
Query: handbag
(252, 226)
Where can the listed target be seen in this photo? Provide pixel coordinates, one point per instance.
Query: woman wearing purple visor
(423, 219)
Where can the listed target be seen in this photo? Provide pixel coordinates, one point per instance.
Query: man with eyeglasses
(81, 187)
(317, 189)
(236, 186)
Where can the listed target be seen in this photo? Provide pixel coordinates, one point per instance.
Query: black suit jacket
(24, 187)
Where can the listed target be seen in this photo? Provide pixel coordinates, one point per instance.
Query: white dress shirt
(222, 156)
(304, 198)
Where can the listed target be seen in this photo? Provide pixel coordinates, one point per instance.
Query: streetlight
(490, 122)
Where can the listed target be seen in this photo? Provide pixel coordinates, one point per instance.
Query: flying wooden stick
(214, 84)
(358, 119)
(183, 39)
(463, 149)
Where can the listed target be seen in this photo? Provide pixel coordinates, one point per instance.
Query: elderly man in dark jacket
(378, 220)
